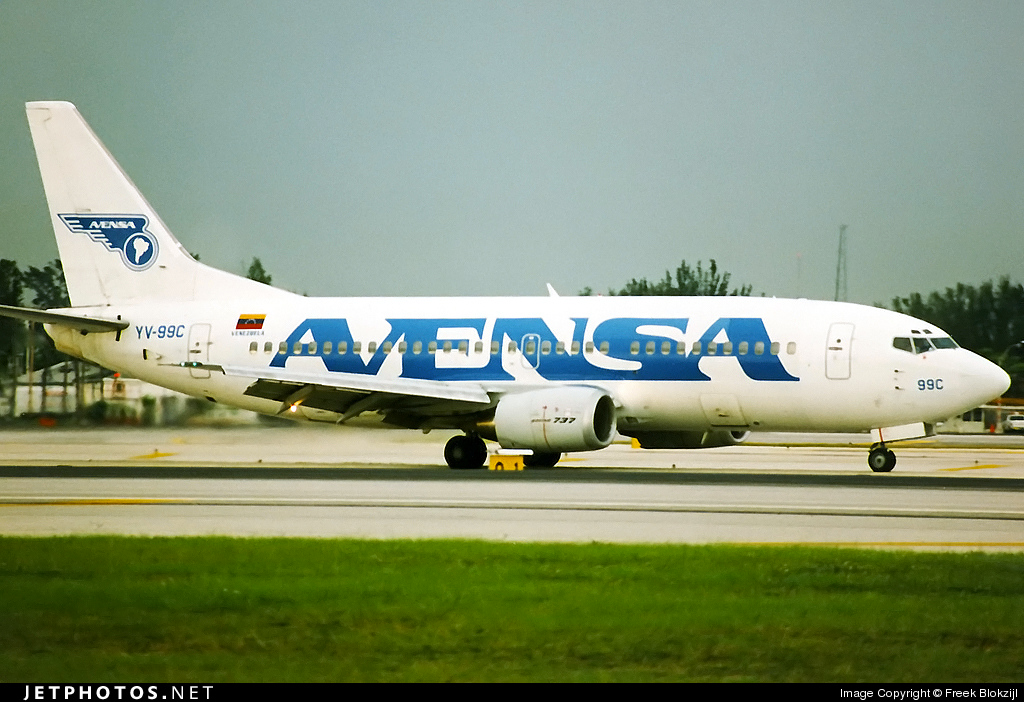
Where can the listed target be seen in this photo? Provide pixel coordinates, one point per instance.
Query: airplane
(542, 375)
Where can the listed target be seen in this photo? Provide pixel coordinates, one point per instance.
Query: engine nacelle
(690, 439)
(555, 420)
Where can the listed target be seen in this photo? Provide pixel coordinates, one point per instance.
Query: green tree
(49, 290)
(257, 272)
(48, 285)
(688, 280)
(12, 331)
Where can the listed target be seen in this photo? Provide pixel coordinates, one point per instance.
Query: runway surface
(961, 493)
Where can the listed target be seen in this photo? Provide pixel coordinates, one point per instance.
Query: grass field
(218, 609)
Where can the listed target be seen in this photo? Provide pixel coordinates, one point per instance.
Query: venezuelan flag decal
(250, 321)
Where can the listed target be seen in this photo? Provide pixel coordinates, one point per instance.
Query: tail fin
(114, 247)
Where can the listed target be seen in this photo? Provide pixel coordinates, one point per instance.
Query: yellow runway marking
(105, 501)
(155, 454)
(981, 467)
(892, 544)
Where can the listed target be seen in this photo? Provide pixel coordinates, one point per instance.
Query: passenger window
(282, 348)
(545, 347)
(311, 348)
(696, 348)
(478, 347)
(649, 348)
(371, 347)
(589, 347)
(402, 347)
(495, 346)
(417, 347)
(357, 346)
(791, 348)
(512, 347)
(727, 348)
(463, 346)
(634, 348)
(681, 348)
(712, 348)
(758, 348)
(342, 348)
(775, 348)
(268, 347)
(743, 348)
(530, 348)
(386, 347)
(560, 348)
(447, 347)
(297, 348)
(575, 348)
(253, 347)
(603, 348)
(666, 347)
(328, 347)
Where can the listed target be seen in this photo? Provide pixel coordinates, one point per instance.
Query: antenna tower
(841, 265)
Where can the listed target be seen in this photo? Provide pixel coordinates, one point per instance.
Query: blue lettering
(633, 348)
(757, 366)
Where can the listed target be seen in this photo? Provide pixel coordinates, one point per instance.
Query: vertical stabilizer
(114, 247)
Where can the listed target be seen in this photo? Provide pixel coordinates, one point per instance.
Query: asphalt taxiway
(946, 493)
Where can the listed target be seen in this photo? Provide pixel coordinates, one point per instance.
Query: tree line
(21, 345)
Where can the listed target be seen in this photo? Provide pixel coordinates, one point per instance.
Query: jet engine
(555, 420)
(690, 439)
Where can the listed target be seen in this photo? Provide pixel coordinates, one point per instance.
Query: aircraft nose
(988, 379)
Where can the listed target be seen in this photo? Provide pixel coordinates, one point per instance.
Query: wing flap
(356, 383)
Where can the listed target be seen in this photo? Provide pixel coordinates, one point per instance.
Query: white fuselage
(669, 363)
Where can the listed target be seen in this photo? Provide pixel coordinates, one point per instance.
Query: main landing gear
(881, 459)
(469, 452)
(541, 460)
(465, 452)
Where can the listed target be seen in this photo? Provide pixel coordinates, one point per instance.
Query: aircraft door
(199, 348)
(531, 350)
(837, 354)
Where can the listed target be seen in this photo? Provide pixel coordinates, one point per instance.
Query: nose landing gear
(881, 459)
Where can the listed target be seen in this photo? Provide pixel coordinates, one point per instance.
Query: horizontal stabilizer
(63, 319)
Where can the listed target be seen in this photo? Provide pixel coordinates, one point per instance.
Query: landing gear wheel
(465, 452)
(881, 459)
(541, 460)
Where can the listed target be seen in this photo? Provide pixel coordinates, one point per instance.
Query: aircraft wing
(64, 319)
(350, 394)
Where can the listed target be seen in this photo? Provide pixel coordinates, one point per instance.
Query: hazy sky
(451, 148)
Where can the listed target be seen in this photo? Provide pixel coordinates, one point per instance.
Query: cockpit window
(921, 344)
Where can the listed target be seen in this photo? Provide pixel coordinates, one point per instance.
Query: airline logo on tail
(125, 234)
